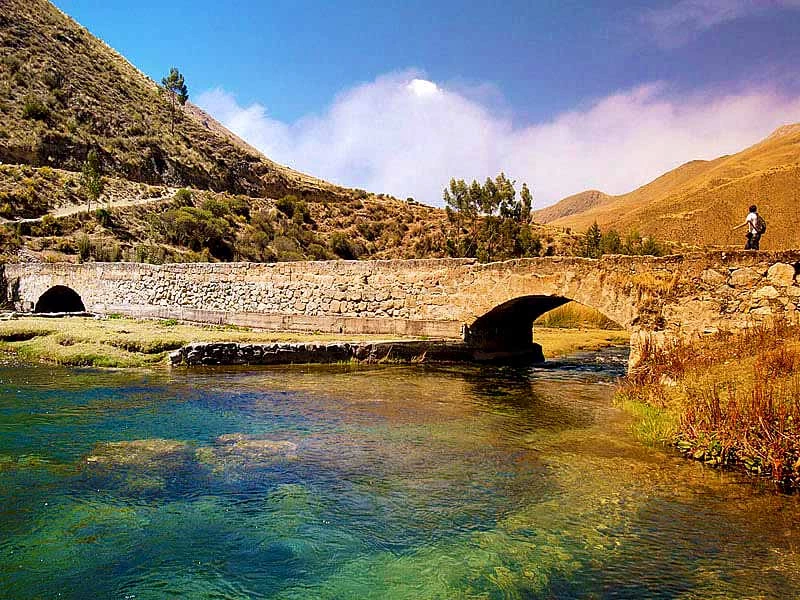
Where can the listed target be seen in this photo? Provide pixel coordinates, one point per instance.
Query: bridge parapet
(661, 298)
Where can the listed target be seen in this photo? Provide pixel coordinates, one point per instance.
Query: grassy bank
(123, 342)
(728, 400)
(558, 342)
(574, 315)
(574, 327)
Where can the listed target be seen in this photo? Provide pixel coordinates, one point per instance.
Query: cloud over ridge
(406, 135)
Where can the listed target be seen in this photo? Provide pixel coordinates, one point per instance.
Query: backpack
(761, 225)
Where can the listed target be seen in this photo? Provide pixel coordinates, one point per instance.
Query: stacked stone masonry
(660, 298)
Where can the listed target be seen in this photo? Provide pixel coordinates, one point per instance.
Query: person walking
(756, 226)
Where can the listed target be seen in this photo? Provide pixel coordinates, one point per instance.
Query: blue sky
(398, 97)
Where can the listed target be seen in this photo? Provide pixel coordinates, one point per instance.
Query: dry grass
(560, 341)
(574, 316)
(123, 342)
(699, 202)
(733, 400)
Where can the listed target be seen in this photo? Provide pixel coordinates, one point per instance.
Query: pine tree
(176, 88)
(91, 179)
(592, 242)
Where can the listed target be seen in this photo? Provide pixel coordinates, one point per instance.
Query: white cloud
(407, 136)
(676, 24)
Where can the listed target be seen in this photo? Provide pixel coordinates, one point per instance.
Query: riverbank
(727, 400)
(130, 343)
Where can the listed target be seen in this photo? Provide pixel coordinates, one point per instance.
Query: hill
(65, 91)
(699, 202)
(188, 193)
(572, 205)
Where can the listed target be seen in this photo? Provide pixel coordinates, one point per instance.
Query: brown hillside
(63, 91)
(572, 205)
(699, 202)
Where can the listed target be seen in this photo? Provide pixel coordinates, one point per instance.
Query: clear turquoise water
(398, 482)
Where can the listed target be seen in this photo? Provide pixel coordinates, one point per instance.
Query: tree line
(491, 222)
(595, 243)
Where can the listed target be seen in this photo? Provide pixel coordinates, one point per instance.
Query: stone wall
(672, 297)
(731, 294)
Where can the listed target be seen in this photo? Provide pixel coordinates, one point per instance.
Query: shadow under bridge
(59, 299)
(506, 331)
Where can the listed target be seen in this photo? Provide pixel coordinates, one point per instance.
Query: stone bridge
(492, 306)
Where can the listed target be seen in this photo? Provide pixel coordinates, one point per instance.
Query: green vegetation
(175, 88)
(124, 342)
(489, 222)
(35, 109)
(91, 179)
(595, 243)
(728, 400)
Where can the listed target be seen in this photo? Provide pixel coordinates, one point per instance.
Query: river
(366, 482)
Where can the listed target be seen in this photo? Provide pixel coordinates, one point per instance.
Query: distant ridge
(699, 202)
(575, 204)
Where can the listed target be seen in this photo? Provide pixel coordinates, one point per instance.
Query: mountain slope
(572, 205)
(699, 202)
(63, 91)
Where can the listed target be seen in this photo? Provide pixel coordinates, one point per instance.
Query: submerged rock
(240, 451)
(138, 453)
(139, 466)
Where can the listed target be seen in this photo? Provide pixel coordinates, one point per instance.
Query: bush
(84, 247)
(183, 197)
(240, 206)
(286, 205)
(150, 253)
(292, 207)
(370, 230)
(318, 252)
(196, 229)
(54, 80)
(47, 226)
(12, 63)
(104, 251)
(35, 109)
(103, 217)
(215, 207)
(343, 247)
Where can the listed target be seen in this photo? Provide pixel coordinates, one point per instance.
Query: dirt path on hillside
(66, 211)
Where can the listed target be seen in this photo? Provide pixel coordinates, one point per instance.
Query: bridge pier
(503, 343)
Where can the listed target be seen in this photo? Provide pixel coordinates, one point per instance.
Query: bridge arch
(507, 329)
(59, 298)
